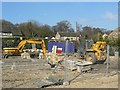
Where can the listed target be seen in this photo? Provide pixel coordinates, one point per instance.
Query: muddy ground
(21, 73)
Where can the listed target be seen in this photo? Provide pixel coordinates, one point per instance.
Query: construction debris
(83, 68)
(54, 59)
(16, 71)
(13, 66)
(71, 65)
(37, 69)
(41, 55)
(76, 65)
(25, 55)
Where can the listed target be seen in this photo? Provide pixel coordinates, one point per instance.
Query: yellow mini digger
(97, 52)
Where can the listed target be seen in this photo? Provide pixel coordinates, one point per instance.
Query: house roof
(115, 33)
(68, 34)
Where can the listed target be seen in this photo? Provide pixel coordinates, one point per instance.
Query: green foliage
(67, 39)
(34, 29)
(100, 36)
(118, 42)
(63, 26)
(91, 33)
(114, 41)
(9, 28)
(28, 46)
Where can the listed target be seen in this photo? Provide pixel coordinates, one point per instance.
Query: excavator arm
(22, 44)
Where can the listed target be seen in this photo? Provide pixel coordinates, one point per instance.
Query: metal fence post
(65, 65)
(1, 59)
(86, 44)
(108, 58)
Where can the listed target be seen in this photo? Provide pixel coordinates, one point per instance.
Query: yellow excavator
(19, 48)
(97, 52)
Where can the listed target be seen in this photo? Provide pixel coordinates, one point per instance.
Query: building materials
(71, 65)
(76, 65)
(25, 55)
(41, 55)
(54, 49)
(80, 65)
(54, 59)
(83, 68)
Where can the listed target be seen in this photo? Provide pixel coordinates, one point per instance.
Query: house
(67, 35)
(114, 34)
(5, 35)
(104, 36)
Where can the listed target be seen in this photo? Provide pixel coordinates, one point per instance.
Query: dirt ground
(17, 73)
(93, 82)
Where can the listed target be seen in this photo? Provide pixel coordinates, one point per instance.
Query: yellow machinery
(19, 48)
(97, 52)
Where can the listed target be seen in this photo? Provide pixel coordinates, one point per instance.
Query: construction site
(58, 68)
(59, 45)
